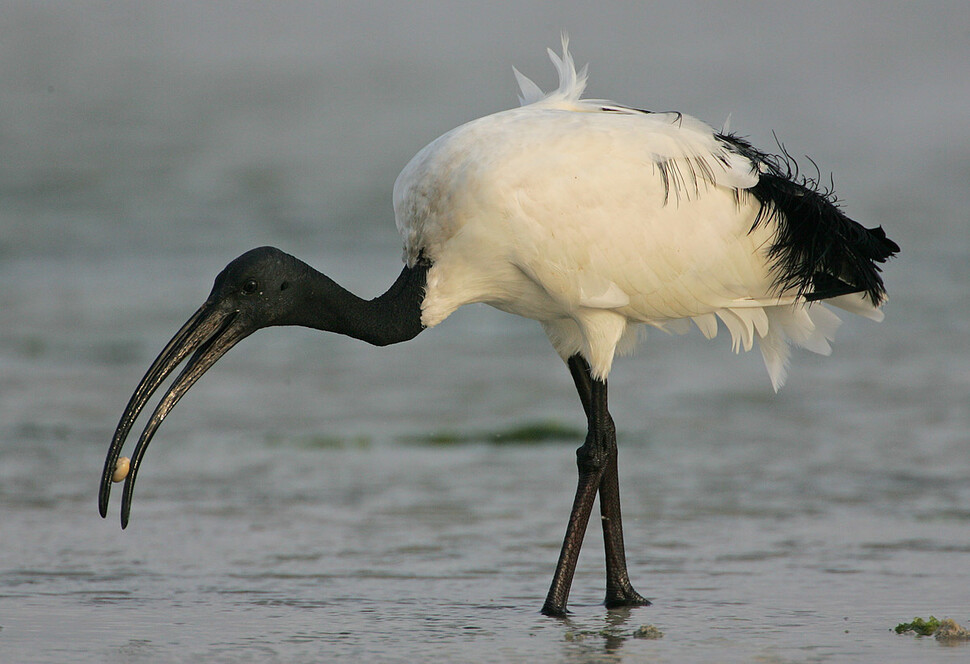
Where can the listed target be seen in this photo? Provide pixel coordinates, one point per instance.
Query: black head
(264, 286)
(261, 288)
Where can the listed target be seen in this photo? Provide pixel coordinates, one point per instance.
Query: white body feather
(592, 219)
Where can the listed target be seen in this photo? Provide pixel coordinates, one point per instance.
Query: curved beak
(209, 334)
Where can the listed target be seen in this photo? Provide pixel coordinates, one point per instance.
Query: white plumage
(594, 218)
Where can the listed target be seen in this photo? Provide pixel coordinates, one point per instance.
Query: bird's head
(261, 288)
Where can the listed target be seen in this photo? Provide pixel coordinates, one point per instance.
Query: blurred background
(146, 144)
(143, 145)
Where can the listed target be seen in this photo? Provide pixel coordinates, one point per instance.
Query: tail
(818, 252)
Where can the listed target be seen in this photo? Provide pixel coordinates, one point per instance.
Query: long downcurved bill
(209, 334)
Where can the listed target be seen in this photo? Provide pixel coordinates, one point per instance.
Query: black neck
(390, 318)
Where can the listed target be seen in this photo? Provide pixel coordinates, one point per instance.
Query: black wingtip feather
(818, 251)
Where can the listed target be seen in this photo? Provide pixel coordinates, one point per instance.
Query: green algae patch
(536, 432)
(946, 631)
(321, 442)
(529, 433)
(919, 627)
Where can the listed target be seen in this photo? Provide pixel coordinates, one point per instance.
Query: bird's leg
(619, 591)
(579, 368)
(591, 460)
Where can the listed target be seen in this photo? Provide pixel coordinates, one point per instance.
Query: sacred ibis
(592, 218)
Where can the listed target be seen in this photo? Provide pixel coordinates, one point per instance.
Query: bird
(594, 219)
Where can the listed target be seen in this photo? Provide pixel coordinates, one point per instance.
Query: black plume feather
(818, 251)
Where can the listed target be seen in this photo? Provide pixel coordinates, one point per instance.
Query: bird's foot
(617, 598)
(554, 611)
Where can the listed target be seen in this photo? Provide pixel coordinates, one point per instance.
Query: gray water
(317, 499)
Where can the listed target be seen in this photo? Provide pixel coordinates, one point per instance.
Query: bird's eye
(250, 287)
(284, 285)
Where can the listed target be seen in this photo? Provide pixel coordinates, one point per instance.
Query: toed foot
(621, 597)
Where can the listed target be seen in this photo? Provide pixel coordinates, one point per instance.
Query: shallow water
(314, 498)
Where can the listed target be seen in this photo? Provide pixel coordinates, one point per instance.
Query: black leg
(583, 379)
(619, 590)
(597, 471)
(555, 604)
(591, 461)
